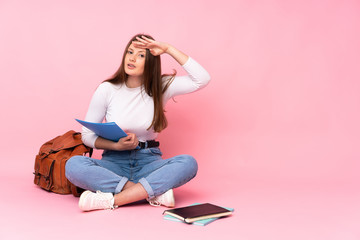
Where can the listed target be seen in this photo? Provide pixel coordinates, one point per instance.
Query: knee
(191, 163)
(72, 165)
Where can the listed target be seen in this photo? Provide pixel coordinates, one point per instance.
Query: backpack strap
(81, 149)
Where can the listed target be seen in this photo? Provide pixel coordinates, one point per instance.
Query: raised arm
(197, 76)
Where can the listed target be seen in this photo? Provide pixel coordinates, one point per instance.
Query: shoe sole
(170, 200)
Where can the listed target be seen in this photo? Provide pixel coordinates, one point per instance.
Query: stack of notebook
(197, 214)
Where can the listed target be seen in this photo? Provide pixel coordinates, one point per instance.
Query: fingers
(155, 48)
(131, 141)
(143, 42)
(143, 39)
(132, 137)
(148, 39)
(139, 44)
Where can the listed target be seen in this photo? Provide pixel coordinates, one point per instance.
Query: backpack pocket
(44, 172)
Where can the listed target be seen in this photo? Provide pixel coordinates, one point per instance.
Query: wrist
(116, 146)
(169, 49)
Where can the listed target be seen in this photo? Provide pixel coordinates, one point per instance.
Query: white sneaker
(93, 201)
(166, 199)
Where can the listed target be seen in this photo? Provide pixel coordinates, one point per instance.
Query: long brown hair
(153, 83)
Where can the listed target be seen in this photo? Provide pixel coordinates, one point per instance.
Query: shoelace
(154, 203)
(103, 200)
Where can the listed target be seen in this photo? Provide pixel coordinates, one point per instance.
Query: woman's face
(135, 61)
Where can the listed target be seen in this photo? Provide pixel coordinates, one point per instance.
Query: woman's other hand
(156, 48)
(129, 142)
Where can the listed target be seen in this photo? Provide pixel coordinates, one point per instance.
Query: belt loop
(146, 144)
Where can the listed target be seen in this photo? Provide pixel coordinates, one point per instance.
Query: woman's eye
(142, 55)
(130, 52)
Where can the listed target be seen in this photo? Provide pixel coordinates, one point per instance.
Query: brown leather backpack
(51, 160)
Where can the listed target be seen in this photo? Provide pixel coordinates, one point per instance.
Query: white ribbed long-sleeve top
(132, 108)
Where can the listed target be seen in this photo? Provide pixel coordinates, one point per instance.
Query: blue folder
(110, 130)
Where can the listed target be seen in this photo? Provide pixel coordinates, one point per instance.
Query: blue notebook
(108, 130)
(200, 222)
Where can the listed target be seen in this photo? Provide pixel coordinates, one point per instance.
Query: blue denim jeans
(144, 166)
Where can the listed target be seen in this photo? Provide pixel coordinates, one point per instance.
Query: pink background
(276, 133)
